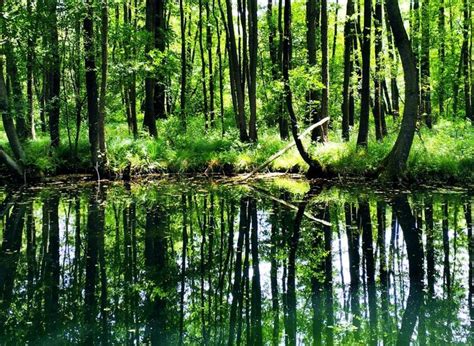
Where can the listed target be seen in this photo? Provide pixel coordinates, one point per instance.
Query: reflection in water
(205, 264)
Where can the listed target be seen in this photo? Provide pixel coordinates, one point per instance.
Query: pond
(203, 262)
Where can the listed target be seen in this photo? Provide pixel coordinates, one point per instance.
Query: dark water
(196, 263)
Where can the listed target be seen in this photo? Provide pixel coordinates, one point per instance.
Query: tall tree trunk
(314, 166)
(312, 19)
(252, 83)
(210, 64)
(467, 61)
(395, 162)
(184, 65)
(30, 61)
(53, 72)
(425, 98)
(160, 44)
(322, 131)
(91, 87)
(104, 65)
(378, 92)
(441, 56)
(203, 68)
(235, 74)
(349, 32)
(149, 116)
(362, 139)
(275, 58)
(393, 69)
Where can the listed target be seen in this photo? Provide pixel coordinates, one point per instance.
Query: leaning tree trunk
(395, 162)
(315, 167)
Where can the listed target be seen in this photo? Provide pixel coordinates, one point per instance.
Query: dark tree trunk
(441, 56)
(467, 61)
(393, 70)
(203, 69)
(160, 44)
(378, 109)
(252, 83)
(315, 167)
(210, 65)
(104, 65)
(91, 88)
(395, 162)
(347, 93)
(425, 95)
(235, 74)
(30, 63)
(53, 72)
(184, 65)
(149, 116)
(322, 131)
(362, 139)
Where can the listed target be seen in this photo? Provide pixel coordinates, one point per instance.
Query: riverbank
(444, 154)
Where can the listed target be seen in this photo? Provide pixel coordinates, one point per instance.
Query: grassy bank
(445, 153)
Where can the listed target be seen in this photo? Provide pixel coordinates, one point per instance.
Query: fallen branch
(289, 205)
(285, 149)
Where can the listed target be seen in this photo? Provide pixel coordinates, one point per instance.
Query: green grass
(445, 153)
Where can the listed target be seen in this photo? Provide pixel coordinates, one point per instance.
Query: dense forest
(131, 86)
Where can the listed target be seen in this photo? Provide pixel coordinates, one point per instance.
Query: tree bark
(349, 32)
(104, 67)
(395, 162)
(252, 83)
(97, 157)
(149, 116)
(362, 139)
(425, 95)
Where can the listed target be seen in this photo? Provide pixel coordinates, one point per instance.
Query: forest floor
(444, 154)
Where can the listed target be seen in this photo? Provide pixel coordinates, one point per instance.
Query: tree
(395, 162)
(252, 84)
(149, 118)
(97, 157)
(347, 93)
(52, 64)
(104, 65)
(362, 139)
(425, 95)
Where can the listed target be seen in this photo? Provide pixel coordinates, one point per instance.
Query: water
(199, 262)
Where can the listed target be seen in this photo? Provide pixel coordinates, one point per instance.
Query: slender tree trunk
(53, 72)
(323, 130)
(252, 83)
(395, 162)
(441, 56)
(160, 44)
(235, 74)
(149, 116)
(467, 61)
(362, 139)
(184, 65)
(393, 69)
(315, 167)
(91, 87)
(104, 66)
(349, 32)
(378, 92)
(30, 59)
(425, 106)
(203, 68)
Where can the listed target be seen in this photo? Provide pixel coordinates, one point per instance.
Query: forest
(130, 87)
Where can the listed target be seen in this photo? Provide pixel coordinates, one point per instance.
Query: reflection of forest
(217, 265)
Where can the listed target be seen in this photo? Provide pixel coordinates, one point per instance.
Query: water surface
(279, 262)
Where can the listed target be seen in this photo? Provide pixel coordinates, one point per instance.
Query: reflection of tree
(470, 228)
(9, 256)
(413, 242)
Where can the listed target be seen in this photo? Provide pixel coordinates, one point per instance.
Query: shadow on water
(172, 263)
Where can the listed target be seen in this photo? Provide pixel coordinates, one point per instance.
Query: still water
(278, 262)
